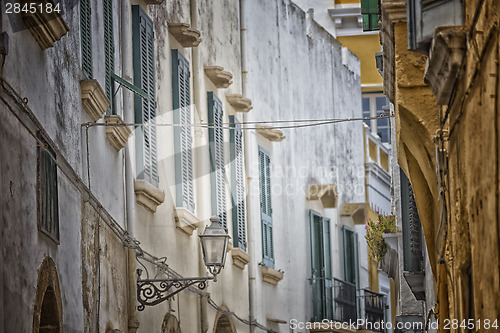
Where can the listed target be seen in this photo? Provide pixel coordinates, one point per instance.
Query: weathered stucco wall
(301, 77)
(468, 282)
(50, 81)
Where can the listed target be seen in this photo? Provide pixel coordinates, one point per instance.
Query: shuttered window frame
(321, 266)
(183, 139)
(144, 109)
(350, 253)
(217, 165)
(424, 16)
(266, 208)
(237, 185)
(86, 38)
(47, 199)
(109, 52)
(412, 229)
(370, 11)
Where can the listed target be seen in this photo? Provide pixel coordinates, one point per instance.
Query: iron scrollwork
(154, 291)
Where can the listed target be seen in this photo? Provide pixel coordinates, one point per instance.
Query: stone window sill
(147, 195)
(240, 257)
(46, 28)
(239, 103)
(219, 77)
(271, 134)
(185, 220)
(94, 100)
(184, 34)
(270, 275)
(116, 135)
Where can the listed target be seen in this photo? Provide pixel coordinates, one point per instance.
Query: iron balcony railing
(344, 295)
(322, 298)
(372, 310)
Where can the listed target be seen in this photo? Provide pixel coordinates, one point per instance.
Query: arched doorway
(170, 324)
(224, 323)
(47, 314)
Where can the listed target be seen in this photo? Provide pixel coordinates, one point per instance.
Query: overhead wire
(309, 123)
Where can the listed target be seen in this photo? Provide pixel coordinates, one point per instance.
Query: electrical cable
(311, 123)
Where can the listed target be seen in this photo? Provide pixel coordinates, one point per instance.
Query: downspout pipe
(128, 115)
(197, 117)
(248, 161)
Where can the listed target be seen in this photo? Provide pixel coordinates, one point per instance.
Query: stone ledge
(328, 194)
(219, 77)
(185, 220)
(94, 100)
(271, 134)
(357, 211)
(184, 34)
(445, 56)
(47, 28)
(153, 2)
(240, 257)
(239, 103)
(270, 275)
(147, 195)
(116, 135)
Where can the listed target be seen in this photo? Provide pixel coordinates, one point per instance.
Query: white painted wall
(294, 76)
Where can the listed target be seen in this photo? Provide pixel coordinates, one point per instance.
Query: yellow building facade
(446, 109)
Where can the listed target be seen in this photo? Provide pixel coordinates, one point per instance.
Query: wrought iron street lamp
(214, 242)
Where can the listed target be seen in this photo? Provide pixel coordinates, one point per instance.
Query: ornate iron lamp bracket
(154, 291)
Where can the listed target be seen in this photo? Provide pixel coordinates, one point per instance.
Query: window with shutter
(109, 51)
(86, 37)
(183, 140)
(145, 108)
(217, 169)
(48, 209)
(321, 267)
(412, 229)
(237, 185)
(369, 11)
(350, 239)
(265, 208)
(424, 16)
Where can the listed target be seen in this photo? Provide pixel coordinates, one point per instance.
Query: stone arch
(170, 324)
(47, 313)
(224, 322)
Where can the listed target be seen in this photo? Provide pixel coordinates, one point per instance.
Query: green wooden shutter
(265, 207)
(317, 268)
(237, 185)
(349, 255)
(145, 109)
(48, 198)
(412, 228)
(183, 139)
(109, 51)
(86, 37)
(369, 11)
(217, 167)
(327, 264)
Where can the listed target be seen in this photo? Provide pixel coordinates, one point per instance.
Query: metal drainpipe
(195, 60)
(128, 115)
(248, 166)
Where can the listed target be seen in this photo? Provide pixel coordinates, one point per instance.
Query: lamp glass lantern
(214, 242)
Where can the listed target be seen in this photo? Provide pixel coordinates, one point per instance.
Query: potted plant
(384, 224)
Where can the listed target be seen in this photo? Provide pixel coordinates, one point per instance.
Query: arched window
(224, 323)
(170, 324)
(47, 314)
